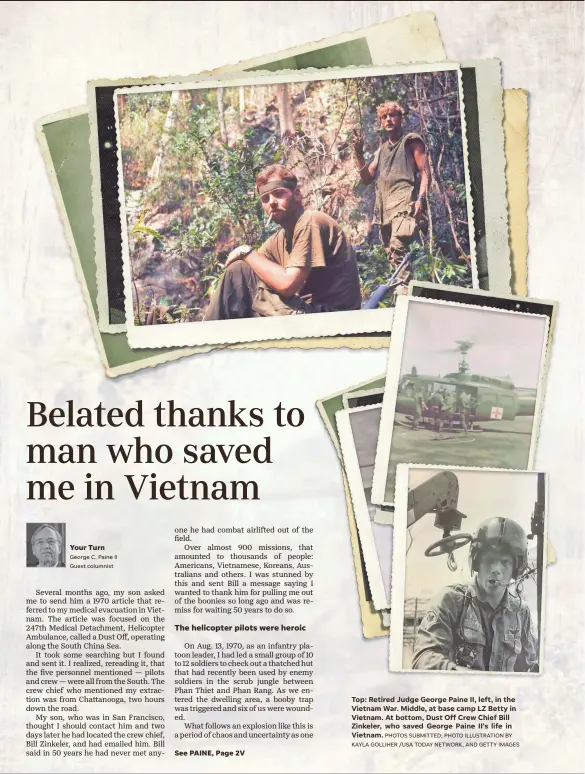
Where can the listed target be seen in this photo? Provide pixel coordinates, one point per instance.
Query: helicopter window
(407, 386)
(446, 389)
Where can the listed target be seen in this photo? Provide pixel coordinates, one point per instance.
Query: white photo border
(380, 599)
(290, 326)
(398, 582)
(395, 354)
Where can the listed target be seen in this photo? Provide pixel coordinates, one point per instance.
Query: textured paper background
(48, 52)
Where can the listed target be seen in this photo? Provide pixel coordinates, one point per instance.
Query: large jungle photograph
(316, 195)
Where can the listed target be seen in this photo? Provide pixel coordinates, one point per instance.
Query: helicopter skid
(496, 444)
(431, 428)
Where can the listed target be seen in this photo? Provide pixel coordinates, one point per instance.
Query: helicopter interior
(449, 391)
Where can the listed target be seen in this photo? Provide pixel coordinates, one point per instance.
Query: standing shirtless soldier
(308, 266)
(401, 173)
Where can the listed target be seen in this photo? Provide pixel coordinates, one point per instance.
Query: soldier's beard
(48, 560)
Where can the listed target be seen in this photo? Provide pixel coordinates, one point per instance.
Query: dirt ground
(498, 444)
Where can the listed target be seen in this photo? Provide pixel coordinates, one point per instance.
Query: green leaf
(150, 231)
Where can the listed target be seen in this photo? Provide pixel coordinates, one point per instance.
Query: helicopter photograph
(463, 388)
(465, 539)
(490, 398)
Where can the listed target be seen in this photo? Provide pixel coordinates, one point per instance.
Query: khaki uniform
(436, 403)
(418, 408)
(436, 399)
(465, 409)
(448, 409)
(396, 185)
(462, 629)
(317, 241)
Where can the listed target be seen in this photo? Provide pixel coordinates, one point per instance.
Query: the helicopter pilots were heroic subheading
(482, 625)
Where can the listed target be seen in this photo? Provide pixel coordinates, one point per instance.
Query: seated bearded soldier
(307, 266)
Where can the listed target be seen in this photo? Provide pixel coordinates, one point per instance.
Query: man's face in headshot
(495, 571)
(46, 546)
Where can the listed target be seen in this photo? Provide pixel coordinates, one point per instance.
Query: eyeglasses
(51, 542)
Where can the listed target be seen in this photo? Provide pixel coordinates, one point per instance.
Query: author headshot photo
(45, 545)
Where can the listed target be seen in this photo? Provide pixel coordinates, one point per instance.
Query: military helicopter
(491, 398)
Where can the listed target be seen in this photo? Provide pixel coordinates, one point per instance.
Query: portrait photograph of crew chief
(483, 624)
(45, 545)
(473, 598)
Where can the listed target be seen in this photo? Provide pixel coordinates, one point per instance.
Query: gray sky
(365, 426)
(505, 343)
(482, 494)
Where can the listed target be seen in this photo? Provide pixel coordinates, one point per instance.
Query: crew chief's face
(391, 121)
(281, 203)
(495, 570)
(46, 546)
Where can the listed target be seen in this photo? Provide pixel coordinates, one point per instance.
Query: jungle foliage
(190, 160)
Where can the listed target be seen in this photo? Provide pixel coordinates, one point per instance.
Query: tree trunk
(285, 116)
(194, 98)
(154, 173)
(221, 111)
(122, 102)
(435, 178)
(241, 106)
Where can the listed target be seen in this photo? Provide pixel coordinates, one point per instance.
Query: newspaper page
(181, 585)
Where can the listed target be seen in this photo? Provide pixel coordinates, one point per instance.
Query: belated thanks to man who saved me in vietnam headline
(166, 414)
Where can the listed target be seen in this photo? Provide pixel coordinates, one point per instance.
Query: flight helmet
(498, 532)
